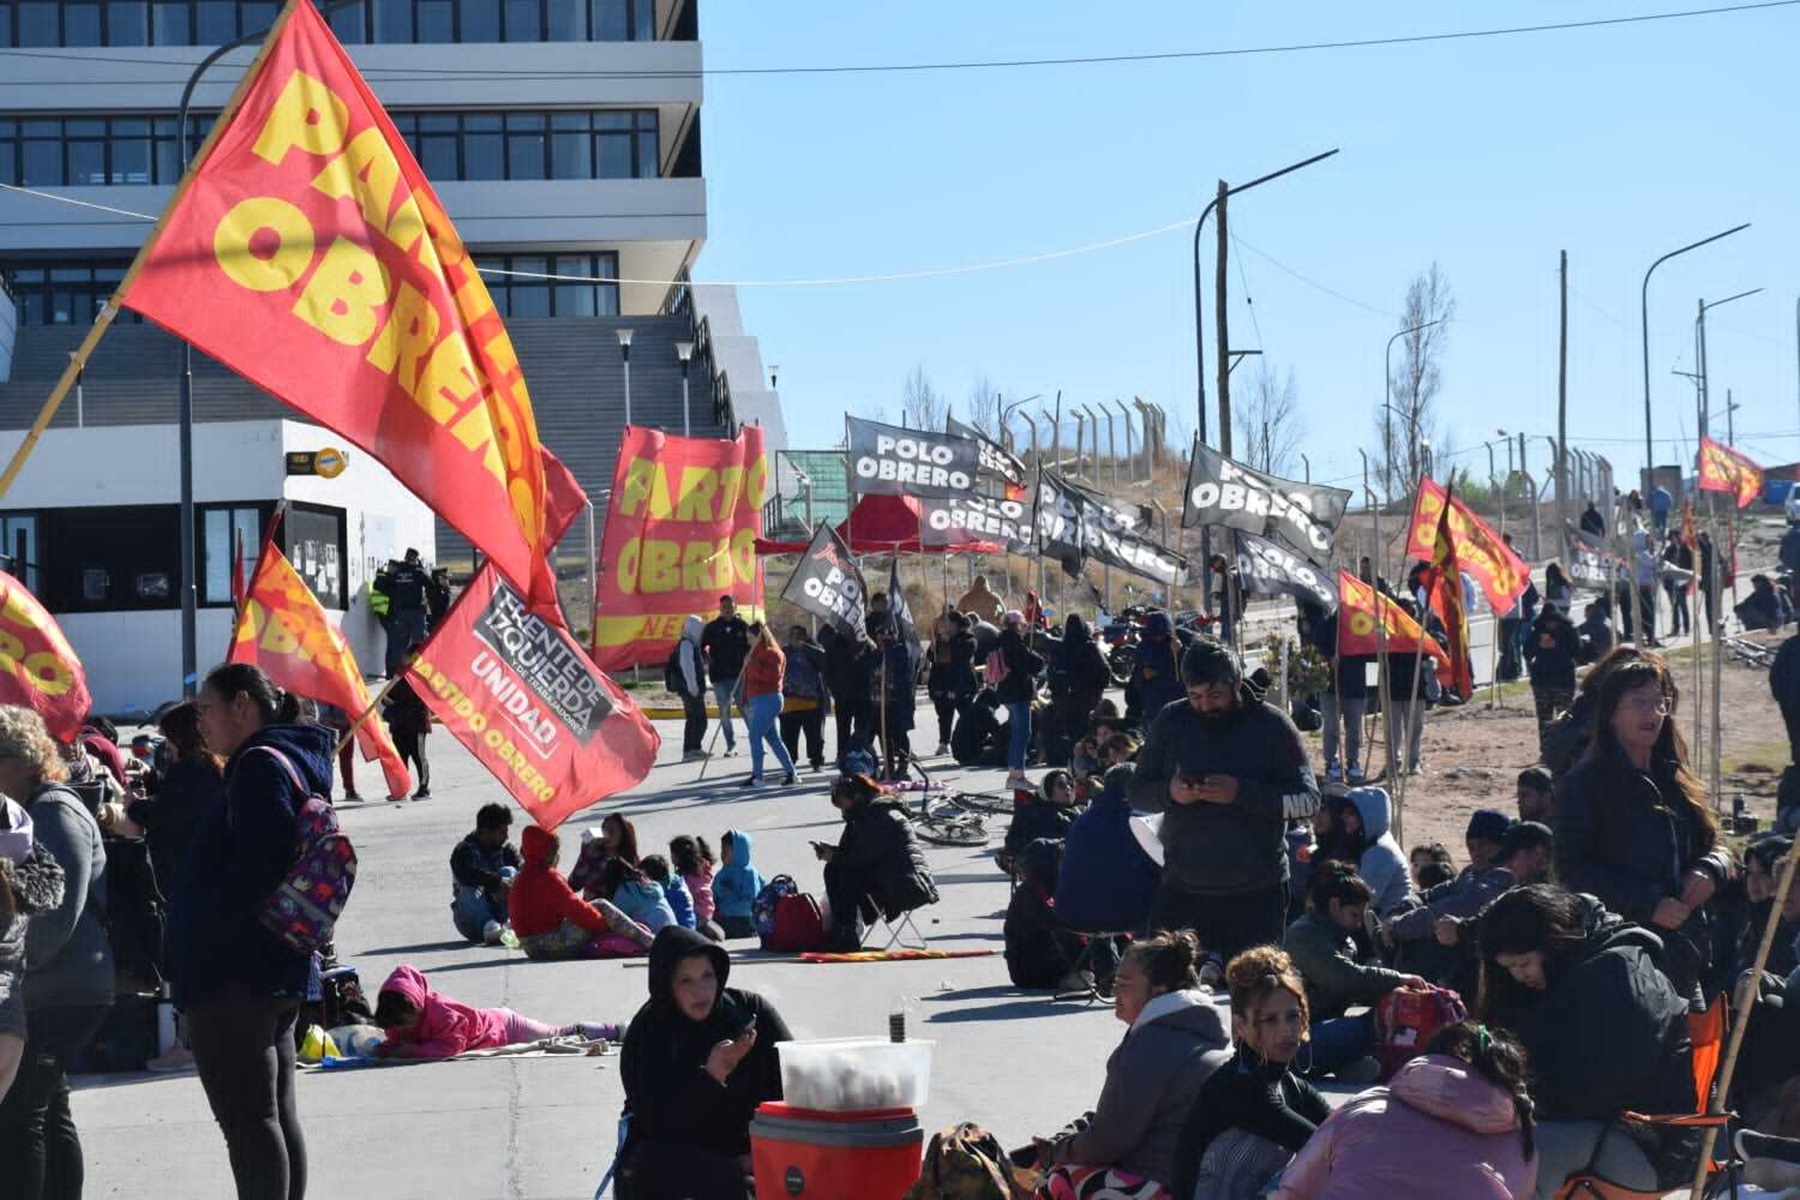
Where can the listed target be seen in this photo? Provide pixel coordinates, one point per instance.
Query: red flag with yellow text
(524, 697)
(681, 530)
(1443, 583)
(38, 667)
(283, 629)
(1496, 567)
(307, 252)
(566, 499)
(1358, 604)
(1723, 469)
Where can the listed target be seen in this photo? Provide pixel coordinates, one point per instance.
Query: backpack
(798, 925)
(762, 909)
(995, 671)
(966, 1163)
(1406, 1019)
(304, 907)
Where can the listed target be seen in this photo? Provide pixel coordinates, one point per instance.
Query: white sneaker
(492, 932)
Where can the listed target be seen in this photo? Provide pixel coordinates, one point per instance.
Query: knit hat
(1525, 835)
(1206, 661)
(1013, 617)
(15, 832)
(1490, 825)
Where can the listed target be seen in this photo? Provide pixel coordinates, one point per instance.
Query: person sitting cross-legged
(482, 868)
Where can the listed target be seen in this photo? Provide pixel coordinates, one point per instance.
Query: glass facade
(46, 23)
(516, 296)
(69, 151)
(64, 293)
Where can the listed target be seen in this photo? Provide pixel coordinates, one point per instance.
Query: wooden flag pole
(102, 323)
(1741, 1023)
(362, 717)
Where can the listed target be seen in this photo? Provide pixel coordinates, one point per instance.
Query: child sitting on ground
(736, 887)
(637, 896)
(693, 861)
(656, 869)
(421, 1023)
(552, 922)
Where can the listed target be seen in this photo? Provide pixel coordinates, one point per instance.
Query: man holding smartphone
(1228, 772)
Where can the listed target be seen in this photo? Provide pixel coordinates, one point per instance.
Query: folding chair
(902, 932)
(606, 1180)
(1084, 963)
(1707, 1031)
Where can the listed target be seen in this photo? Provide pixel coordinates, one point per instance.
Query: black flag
(910, 462)
(1267, 568)
(998, 465)
(827, 583)
(1222, 491)
(1075, 524)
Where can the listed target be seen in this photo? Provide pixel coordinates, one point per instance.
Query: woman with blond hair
(764, 671)
(68, 966)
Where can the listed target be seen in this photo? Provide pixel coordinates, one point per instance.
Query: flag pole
(362, 717)
(1741, 1020)
(1718, 666)
(78, 360)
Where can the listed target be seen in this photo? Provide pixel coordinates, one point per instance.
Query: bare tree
(1408, 428)
(1267, 414)
(921, 406)
(983, 407)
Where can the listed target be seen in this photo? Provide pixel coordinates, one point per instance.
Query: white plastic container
(854, 1074)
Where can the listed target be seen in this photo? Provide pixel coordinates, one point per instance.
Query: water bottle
(897, 1021)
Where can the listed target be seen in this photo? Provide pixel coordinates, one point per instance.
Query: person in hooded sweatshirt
(1176, 1036)
(1456, 1121)
(421, 1023)
(1108, 881)
(552, 921)
(31, 882)
(690, 663)
(736, 885)
(240, 985)
(1360, 836)
(1155, 680)
(699, 1057)
(1604, 1029)
(1079, 676)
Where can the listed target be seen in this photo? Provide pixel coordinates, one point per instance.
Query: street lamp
(1387, 377)
(685, 352)
(625, 357)
(1199, 328)
(1644, 316)
(1703, 419)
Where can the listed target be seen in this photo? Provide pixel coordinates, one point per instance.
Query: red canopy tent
(884, 524)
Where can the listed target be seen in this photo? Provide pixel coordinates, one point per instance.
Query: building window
(228, 531)
(44, 23)
(51, 151)
(110, 559)
(19, 548)
(64, 293)
(522, 296)
(314, 536)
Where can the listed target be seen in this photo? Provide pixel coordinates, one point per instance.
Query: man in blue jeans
(727, 644)
(482, 868)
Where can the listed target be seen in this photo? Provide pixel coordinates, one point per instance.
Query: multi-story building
(564, 137)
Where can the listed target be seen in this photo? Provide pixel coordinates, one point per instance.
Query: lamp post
(685, 352)
(1644, 317)
(1704, 420)
(625, 357)
(1199, 326)
(1387, 376)
(1500, 499)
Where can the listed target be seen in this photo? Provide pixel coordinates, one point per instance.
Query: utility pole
(1222, 325)
(1562, 406)
(1730, 421)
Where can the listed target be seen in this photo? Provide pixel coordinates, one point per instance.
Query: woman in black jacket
(951, 682)
(877, 868)
(1551, 648)
(698, 1058)
(1016, 691)
(1078, 678)
(848, 682)
(192, 787)
(1603, 1028)
(1255, 1093)
(1632, 823)
(240, 984)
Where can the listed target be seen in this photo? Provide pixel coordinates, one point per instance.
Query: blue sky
(1487, 156)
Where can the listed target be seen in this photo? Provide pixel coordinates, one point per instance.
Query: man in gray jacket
(1228, 772)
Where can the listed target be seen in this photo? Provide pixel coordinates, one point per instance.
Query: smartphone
(748, 1029)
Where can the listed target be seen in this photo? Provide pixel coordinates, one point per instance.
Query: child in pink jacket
(1455, 1122)
(421, 1023)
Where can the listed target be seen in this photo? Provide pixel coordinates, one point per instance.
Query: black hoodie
(240, 851)
(668, 1093)
(1080, 674)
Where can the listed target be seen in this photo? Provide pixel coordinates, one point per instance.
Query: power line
(403, 73)
(1313, 283)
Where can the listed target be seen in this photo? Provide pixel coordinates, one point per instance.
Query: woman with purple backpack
(239, 983)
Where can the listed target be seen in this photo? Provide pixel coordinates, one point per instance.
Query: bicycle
(939, 819)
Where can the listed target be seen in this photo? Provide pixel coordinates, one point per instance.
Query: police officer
(406, 585)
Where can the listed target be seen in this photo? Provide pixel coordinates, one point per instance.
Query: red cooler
(872, 1155)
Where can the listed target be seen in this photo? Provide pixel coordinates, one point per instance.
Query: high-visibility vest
(378, 601)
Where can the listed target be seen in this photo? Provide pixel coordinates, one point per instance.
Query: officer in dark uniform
(407, 587)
